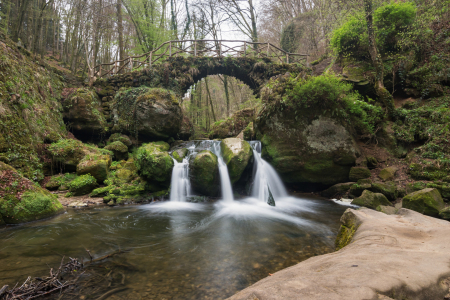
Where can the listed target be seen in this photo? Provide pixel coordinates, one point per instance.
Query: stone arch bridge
(176, 65)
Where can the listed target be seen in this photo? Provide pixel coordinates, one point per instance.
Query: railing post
(151, 58)
(170, 49)
(287, 58)
(195, 48)
(245, 49)
(100, 71)
(268, 47)
(220, 48)
(115, 68)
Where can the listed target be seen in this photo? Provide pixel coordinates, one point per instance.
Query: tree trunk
(377, 62)
(227, 95)
(120, 30)
(210, 100)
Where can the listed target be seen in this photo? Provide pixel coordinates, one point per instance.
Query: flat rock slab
(402, 256)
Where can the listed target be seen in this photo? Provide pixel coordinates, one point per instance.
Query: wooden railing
(199, 48)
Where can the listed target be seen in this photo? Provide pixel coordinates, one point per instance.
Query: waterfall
(265, 177)
(225, 183)
(181, 186)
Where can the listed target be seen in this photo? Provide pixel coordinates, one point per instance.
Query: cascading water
(180, 184)
(266, 180)
(225, 183)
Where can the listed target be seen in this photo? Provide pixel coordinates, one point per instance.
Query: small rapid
(181, 185)
(225, 183)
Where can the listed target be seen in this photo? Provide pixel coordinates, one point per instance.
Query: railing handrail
(119, 65)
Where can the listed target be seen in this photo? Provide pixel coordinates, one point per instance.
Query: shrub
(351, 38)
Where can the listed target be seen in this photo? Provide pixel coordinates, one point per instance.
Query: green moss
(357, 173)
(95, 165)
(59, 180)
(180, 154)
(389, 189)
(371, 200)
(82, 185)
(154, 163)
(427, 201)
(103, 191)
(204, 170)
(233, 125)
(236, 155)
(118, 137)
(119, 149)
(345, 236)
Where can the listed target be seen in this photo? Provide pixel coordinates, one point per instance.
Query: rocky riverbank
(399, 256)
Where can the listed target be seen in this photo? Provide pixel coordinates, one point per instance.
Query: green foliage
(82, 185)
(335, 97)
(351, 38)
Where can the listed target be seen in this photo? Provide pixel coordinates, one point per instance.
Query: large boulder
(23, 201)
(388, 173)
(357, 173)
(118, 137)
(236, 155)
(180, 154)
(186, 130)
(119, 149)
(147, 113)
(154, 163)
(82, 110)
(427, 201)
(371, 200)
(233, 125)
(389, 189)
(445, 213)
(305, 150)
(204, 173)
(96, 165)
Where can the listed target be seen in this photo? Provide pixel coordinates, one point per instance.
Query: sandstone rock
(337, 189)
(119, 149)
(96, 165)
(236, 155)
(427, 201)
(22, 201)
(389, 189)
(405, 255)
(371, 200)
(388, 173)
(180, 154)
(357, 173)
(154, 163)
(82, 110)
(157, 113)
(389, 210)
(204, 173)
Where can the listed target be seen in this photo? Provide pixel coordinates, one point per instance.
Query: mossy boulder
(21, 200)
(372, 162)
(102, 191)
(180, 154)
(233, 125)
(118, 137)
(82, 109)
(249, 132)
(119, 149)
(337, 189)
(427, 201)
(154, 163)
(58, 181)
(307, 150)
(95, 165)
(371, 200)
(349, 225)
(236, 155)
(442, 187)
(357, 173)
(388, 173)
(204, 173)
(186, 130)
(82, 185)
(389, 210)
(357, 189)
(389, 189)
(147, 113)
(445, 213)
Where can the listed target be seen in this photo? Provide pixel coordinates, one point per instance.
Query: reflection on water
(178, 250)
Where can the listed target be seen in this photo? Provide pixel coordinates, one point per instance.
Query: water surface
(177, 250)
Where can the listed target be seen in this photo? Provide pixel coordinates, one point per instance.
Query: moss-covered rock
(349, 225)
(233, 125)
(118, 137)
(147, 113)
(59, 180)
(95, 165)
(180, 154)
(82, 185)
(357, 173)
(389, 210)
(427, 201)
(186, 130)
(204, 173)
(388, 173)
(371, 200)
(23, 201)
(103, 191)
(249, 132)
(82, 109)
(337, 189)
(372, 162)
(445, 213)
(119, 149)
(357, 189)
(236, 155)
(154, 163)
(389, 189)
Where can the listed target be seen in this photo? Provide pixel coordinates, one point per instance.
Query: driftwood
(38, 287)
